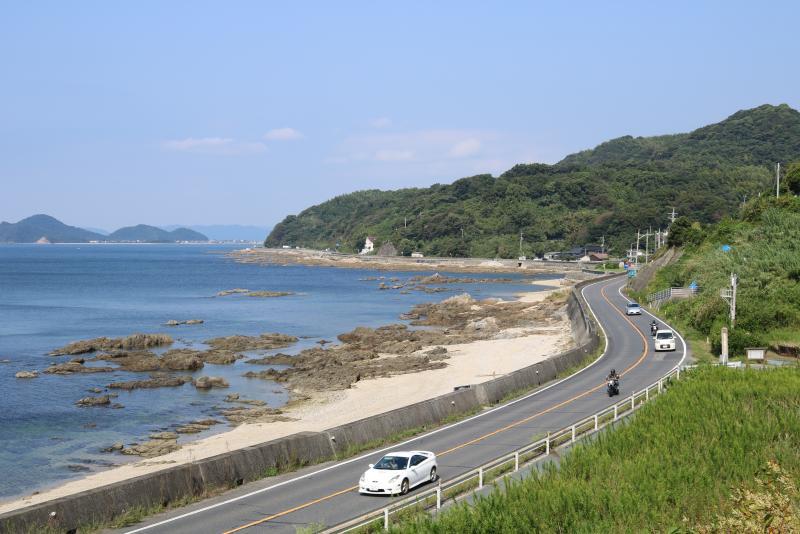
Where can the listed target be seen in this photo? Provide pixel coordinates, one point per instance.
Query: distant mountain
(34, 228)
(151, 234)
(48, 229)
(96, 230)
(227, 232)
(601, 195)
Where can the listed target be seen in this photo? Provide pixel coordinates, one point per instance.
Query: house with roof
(369, 245)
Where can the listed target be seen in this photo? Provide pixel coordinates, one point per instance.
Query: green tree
(792, 178)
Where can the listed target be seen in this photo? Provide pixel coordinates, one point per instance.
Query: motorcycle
(613, 387)
(653, 330)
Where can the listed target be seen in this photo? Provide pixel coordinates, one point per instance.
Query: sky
(171, 112)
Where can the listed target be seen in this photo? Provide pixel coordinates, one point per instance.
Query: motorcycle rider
(653, 328)
(613, 382)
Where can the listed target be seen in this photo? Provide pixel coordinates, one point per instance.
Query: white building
(417, 255)
(369, 245)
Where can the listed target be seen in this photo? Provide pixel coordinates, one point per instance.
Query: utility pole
(520, 244)
(777, 180)
(638, 237)
(405, 222)
(603, 245)
(729, 296)
(673, 216)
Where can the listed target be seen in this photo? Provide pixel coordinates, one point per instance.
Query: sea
(51, 295)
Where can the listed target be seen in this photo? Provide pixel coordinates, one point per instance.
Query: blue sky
(115, 113)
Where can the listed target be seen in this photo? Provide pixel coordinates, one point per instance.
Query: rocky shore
(271, 256)
(367, 371)
(368, 353)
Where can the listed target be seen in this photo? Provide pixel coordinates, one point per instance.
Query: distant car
(398, 472)
(664, 340)
(633, 308)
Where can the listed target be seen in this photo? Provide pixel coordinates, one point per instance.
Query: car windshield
(633, 305)
(393, 463)
(664, 335)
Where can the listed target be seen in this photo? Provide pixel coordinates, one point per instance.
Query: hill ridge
(611, 190)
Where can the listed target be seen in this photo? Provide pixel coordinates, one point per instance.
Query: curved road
(326, 494)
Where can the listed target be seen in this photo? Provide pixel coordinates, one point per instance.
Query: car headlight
(363, 477)
(394, 478)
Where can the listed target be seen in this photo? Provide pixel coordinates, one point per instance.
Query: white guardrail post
(438, 490)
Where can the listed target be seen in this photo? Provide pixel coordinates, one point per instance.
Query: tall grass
(673, 466)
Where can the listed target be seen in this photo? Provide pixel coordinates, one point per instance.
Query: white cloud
(213, 145)
(420, 157)
(283, 134)
(380, 122)
(465, 148)
(394, 155)
(420, 146)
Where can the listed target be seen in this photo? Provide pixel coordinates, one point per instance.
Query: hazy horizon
(116, 114)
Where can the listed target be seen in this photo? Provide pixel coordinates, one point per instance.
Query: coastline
(469, 363)
(270, 256)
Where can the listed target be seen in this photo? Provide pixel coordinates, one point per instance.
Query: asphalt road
(327, 494)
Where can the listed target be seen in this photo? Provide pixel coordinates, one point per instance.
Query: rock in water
(103, 400)
(164, 435)
(27, 374)
(208, 382)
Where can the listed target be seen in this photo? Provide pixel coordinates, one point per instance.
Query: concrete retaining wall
(236, 467)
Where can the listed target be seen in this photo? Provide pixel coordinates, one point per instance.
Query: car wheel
(404, 487)
(434, 476)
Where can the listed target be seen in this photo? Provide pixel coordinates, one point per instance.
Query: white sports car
(398, 472)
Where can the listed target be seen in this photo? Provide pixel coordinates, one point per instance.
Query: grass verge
(680, 465)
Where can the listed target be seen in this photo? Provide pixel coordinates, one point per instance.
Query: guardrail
(503, 466)
(657, 299)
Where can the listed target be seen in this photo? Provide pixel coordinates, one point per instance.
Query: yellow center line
(476, 440)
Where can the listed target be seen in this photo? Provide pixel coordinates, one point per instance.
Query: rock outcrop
(103, 400)
(208, 382)
(239, 343)
(26, 374)
(155, 381)
(132, 342)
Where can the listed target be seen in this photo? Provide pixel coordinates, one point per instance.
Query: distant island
(46, 229)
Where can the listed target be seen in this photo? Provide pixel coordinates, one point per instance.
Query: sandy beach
(468, 363)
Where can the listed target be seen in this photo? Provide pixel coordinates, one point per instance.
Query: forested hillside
(762, 246)
(610, 191)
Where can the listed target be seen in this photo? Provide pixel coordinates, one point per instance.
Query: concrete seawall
(251, 463)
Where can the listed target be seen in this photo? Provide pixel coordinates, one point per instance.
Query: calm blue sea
(54, 294)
